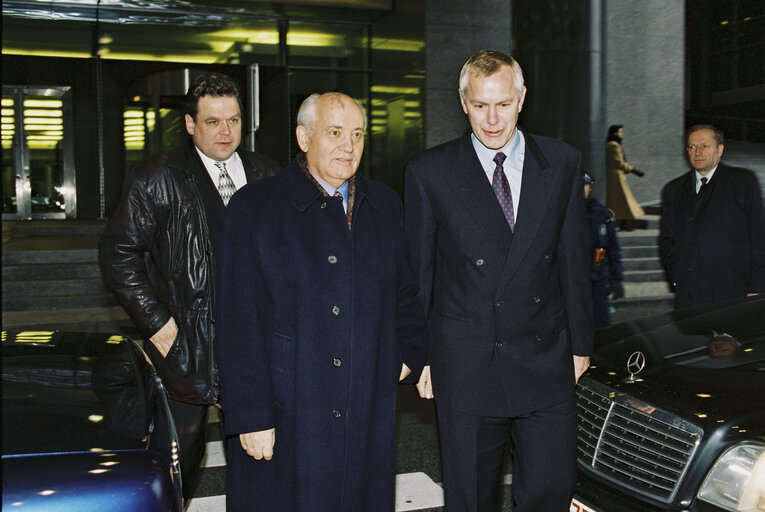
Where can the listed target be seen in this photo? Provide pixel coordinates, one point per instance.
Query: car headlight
(736, 482)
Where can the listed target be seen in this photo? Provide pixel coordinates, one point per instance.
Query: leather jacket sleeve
(123, 251)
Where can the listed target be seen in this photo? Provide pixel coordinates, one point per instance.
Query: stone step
(50, 271)
(653, 303)
(50, 256)
(640, 251)
(32, 303)
(67, 228)
(644, 276)
(631, 264)
(639, 238)
(53, 287)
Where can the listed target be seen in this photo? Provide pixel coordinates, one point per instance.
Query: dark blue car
(85, 426)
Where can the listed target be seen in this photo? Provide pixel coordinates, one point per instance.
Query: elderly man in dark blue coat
(318, 320)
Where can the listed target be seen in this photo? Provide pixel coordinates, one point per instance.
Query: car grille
(633, 444)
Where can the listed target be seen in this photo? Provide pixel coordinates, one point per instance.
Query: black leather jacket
(157, 255)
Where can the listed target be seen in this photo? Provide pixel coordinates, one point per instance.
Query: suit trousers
(191, 425)
(473, 450)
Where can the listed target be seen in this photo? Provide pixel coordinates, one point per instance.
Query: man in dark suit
(499, 238)
(158, 252)
(712, 235)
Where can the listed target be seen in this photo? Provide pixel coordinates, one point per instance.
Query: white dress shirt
(515, 151)
(699, 176)
(234, 166)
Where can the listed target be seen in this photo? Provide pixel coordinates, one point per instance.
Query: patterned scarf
(351, 187)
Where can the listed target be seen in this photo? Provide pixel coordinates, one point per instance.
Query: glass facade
(374, 53)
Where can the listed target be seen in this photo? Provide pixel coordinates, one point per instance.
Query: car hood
(72, 392)
(706, 364)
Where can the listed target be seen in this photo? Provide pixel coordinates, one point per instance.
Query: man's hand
(581, 363)
(424, 386)
(405, 371)
(163, 339)
(259, 445)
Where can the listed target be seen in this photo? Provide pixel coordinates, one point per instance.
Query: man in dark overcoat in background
(318, 319)
(498, 229)
(712, 231)
(158, 252)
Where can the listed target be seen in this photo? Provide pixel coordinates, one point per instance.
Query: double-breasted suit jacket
(713, 243)
(506, 310)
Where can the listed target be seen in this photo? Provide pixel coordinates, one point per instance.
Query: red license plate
(578, 506)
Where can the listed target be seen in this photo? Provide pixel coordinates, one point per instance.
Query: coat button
(335, 310)
(479, 262)
(323, 205)
(537, 300)
(332, 259)
(337, 362)
(538, 337)
(547, 256)
(336, 413)
(498, 343)
(499, 304)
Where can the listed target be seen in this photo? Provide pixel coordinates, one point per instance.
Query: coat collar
(302, 192)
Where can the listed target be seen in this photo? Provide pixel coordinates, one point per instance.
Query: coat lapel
(473, 189)
(536, 184)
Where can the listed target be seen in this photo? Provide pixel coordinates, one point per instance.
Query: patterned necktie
(226, 187)
(703, 184)
(502, 190)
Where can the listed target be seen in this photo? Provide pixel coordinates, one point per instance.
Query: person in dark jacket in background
(712, 231)
(607, 273)
(158, 253)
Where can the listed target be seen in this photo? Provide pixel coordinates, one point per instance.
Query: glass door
(37, 151)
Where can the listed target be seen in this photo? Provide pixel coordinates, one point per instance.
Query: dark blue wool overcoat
(314, 322)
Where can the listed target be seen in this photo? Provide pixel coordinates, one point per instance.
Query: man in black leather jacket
(158, 253)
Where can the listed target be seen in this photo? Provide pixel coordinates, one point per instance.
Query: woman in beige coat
(619, 197)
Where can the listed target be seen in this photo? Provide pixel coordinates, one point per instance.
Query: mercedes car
(86, 426)
(672, 413)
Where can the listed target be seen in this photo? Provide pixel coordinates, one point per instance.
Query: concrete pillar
(455, 30)
(644, 54)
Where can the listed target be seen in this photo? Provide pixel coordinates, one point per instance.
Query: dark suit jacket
(506, 310)
(713, 243)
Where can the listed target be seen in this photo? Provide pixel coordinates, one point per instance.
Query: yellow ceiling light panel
(398, 45)
(43, 121)
(387, 89)
(318, 39)
(43, 103)
(36, 112)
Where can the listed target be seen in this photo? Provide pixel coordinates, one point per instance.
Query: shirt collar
(343, 189)
(708, 176)
(210, 163)
(513, 150)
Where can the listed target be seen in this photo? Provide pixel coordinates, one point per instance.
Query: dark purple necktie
(502, 189)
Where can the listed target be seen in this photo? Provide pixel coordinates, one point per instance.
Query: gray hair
(486, 63)
(306, 115)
